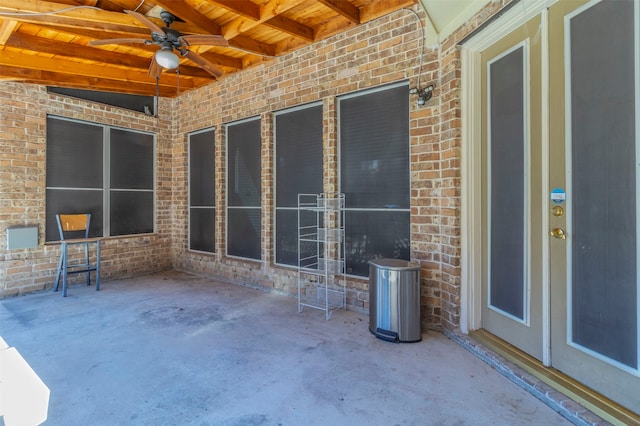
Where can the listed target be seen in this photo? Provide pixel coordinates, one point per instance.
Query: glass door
(511, 176)
(593, 164)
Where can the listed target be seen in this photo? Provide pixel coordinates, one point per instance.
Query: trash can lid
(394, 264)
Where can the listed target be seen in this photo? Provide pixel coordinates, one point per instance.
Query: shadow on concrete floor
(178, 349)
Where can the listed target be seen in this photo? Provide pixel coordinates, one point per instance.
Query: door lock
(558, 233)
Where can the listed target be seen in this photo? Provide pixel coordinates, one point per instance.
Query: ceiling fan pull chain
(157, 104)
(178, 73)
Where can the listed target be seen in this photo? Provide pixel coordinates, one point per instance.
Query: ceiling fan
(169, 40)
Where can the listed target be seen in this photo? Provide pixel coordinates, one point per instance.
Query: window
(298, 167)
(374, 175)
(202, 211)
(243, 189)
(102, 170)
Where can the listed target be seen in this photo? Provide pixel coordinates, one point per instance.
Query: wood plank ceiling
(48, 42)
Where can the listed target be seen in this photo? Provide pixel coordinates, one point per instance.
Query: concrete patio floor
(178, 349)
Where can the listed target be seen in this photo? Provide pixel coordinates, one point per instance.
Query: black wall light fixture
(423, 94)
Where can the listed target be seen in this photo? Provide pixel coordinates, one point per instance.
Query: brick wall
(447, 292)
(384, 51)
(23, 113)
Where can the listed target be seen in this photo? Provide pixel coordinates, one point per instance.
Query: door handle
(558, 233)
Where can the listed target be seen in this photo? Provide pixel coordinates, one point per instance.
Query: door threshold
(591, 400)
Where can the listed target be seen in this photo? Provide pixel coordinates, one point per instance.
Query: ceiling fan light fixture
(167, 59)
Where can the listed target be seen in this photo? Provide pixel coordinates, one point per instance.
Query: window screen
(202, 191)
(243, 189)
(74, 173)
(72, 201)
(67, 142)
(131, 212)
(604, 135)
(374, 149)
(130, 165)
(374, 175)
(104, 171)
(131, 176)
(298, 166)
(374, 234)
(507, 281)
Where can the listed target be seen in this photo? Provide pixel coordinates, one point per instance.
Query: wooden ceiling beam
(344, 8)
(93, 34)
(102, 21)
(78, 2)
(222, 60)
(31, 10)
(126, 75)
(291, 27)
(48, 78)
(332, 27)
(41, 44)
(289, 45)
(269, 10)
(243, 8)
(184, 11)
(252, 46)
(91, 19)
(120, 5)
(6, 29)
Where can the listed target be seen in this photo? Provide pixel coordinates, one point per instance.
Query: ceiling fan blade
(154, 69)
(204, 39)
(146, 21)
(212, 69)
(117, 41)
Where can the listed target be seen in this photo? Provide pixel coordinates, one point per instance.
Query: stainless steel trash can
(394, 300)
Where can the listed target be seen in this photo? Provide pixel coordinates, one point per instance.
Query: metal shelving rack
(322, 282)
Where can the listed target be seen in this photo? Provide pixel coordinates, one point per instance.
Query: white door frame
(471, 165)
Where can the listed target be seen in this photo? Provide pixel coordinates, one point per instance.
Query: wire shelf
(321, 252)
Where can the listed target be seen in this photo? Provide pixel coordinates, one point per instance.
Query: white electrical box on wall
(22, 237)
